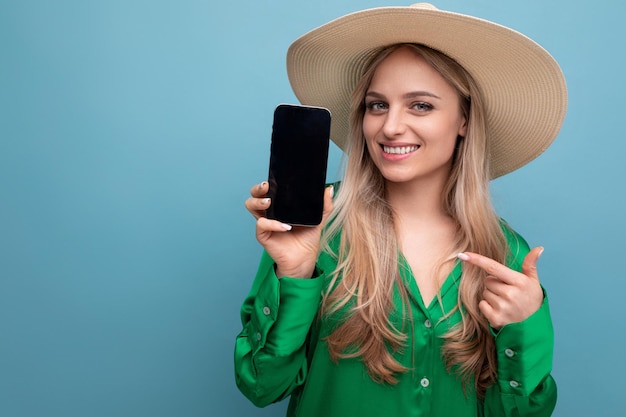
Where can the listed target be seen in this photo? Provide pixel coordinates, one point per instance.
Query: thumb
(529, 267)
(328, 202)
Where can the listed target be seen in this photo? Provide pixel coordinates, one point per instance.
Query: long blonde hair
(367, 270)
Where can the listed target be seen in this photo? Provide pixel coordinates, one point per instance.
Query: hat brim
(522, 85)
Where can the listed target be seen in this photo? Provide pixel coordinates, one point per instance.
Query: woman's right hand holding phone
(294, 249)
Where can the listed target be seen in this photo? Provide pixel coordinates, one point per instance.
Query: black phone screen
(298, 163)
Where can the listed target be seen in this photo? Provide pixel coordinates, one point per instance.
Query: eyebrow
(412, 94)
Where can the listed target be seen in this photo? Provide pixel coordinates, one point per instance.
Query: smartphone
(298, 163)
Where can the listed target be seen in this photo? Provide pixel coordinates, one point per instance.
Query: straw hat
(522, 85)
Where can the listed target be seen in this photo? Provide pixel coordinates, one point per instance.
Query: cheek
(368, 128)
(369, 132)
(447, 130)
(370, 147)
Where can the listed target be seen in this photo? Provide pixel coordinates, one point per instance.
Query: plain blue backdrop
(130, 134)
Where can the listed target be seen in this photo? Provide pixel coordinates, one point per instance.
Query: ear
(463, 127)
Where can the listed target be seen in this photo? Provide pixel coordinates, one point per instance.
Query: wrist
(301, 272)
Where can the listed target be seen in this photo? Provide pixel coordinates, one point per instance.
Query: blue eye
(375, 106)
(422, 106)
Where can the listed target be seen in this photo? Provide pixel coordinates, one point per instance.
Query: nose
(394, 124)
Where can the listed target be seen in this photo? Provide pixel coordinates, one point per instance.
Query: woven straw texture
(523, 87)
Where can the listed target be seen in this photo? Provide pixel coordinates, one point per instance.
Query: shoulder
(517, 247)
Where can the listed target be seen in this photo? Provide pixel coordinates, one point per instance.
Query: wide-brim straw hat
(522, 85)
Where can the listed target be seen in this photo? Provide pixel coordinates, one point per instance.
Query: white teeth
(400, 149)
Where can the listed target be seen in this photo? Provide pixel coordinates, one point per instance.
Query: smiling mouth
(400, 150)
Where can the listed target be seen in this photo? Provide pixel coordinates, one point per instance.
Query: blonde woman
(412, 298)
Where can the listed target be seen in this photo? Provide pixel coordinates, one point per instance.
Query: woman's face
(412, 119)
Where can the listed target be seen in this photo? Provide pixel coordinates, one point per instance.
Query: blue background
(130, 134)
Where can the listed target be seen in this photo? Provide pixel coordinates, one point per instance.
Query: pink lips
(398, 153)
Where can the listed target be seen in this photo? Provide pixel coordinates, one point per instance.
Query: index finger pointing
(490, 266)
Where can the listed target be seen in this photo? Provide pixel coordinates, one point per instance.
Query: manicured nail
(463, 257)
(332, 191)
(262, 185)
(540, 252)
(265, 201)
(286, 226)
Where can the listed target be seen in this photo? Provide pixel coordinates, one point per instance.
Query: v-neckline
(414, 291)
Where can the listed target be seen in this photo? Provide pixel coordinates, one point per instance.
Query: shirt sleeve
(524, 387)
(270, 351)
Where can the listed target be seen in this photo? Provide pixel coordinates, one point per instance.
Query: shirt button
(258, 336)
(513, 383)
(509, 352)
(427, 324)
(424, 382)
(266, 310)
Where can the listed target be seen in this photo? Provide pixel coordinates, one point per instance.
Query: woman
(412, 298)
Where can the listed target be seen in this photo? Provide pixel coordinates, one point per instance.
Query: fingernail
(265, 201)
(286, 226)
(262, 185)
(332, 191)
(463, 257)
(540, 252)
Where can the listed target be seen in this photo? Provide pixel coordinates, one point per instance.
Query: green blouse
(280, 353)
